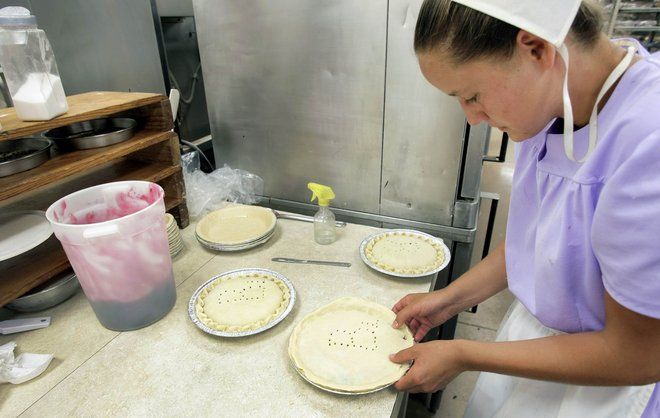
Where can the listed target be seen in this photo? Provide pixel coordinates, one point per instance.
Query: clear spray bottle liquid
(324, 219)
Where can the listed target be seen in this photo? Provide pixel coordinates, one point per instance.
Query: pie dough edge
(322, 382)
(439, 259)
(211, 323)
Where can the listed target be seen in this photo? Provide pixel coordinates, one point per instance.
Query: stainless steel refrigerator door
(295, 93)
(423, 131)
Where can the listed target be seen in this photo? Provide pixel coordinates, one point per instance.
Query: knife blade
(304, 218)
(320, 262)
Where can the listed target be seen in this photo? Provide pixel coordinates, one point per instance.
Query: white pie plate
(205, 328)
(436, 240)
(22, 231)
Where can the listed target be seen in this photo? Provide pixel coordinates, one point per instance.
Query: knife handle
(26, 324)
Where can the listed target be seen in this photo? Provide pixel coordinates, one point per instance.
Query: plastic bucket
(115, 237)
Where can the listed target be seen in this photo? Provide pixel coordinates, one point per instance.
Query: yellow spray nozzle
(323, 193)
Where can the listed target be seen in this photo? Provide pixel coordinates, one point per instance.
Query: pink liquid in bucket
(115, 238)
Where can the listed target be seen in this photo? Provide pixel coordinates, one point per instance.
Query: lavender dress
(576, 230)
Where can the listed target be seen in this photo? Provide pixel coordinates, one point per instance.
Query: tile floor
(483, 324)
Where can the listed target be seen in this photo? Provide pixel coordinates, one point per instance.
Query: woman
(581, 253)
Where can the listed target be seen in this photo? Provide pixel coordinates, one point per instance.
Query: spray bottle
(324, 219)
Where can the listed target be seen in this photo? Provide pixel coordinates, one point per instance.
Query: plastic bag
(207, 192)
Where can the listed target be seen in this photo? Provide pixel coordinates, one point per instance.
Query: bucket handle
(100, 231)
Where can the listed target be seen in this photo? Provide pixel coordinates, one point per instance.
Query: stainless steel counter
(172, 368)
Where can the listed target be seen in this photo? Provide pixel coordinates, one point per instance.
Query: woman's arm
(625, 352)
(423, 311)
(482, 281)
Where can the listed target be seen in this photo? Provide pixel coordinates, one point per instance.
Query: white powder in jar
(41, 97)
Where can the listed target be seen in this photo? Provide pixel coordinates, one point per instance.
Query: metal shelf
(639, 10)
(637, 28)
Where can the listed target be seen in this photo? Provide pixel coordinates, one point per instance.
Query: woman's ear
(536, 49)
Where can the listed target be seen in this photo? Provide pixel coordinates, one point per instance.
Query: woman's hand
(423, 311)
(435, 364)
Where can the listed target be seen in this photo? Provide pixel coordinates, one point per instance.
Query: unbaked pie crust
(345, 346)
(242, 303)
(235, 225)
(405, 253)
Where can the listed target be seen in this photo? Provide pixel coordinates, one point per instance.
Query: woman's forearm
(482, 281)
(582, 359)
(625, 352)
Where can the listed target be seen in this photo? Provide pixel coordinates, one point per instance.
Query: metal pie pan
(193, 301)
(32, 152)
(218, 247)
(338, 392)
(52, 293)
(376, 267)
(93, 133)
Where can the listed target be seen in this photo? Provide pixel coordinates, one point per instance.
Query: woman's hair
(466, 33)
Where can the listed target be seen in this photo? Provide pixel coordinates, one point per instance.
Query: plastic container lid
(16, 16)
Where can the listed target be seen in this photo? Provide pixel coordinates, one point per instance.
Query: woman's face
(518, 96)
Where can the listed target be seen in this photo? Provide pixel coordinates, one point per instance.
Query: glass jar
(29, 67)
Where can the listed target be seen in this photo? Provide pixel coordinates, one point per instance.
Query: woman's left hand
(435, 364)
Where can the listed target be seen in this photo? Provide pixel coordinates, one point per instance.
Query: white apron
(497, 395)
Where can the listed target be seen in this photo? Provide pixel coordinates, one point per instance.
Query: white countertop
(172, 368)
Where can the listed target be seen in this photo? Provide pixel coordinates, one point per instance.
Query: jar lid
(16, 16)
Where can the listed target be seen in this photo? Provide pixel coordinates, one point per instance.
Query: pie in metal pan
(405, 253)
(242, 302)
(344, 347)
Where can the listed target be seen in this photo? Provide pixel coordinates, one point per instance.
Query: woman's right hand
(423, 311)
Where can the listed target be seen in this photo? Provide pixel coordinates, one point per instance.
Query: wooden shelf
(82, 107)
(70, 163)
(152, 155)
(123, 169)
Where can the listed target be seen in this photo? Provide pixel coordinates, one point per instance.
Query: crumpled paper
(22, 368)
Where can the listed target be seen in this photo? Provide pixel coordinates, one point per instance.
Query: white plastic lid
(16, 16)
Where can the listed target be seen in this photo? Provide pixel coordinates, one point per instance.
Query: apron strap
(593, 120)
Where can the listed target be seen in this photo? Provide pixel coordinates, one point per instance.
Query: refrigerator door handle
(500, 158)
(495, 199)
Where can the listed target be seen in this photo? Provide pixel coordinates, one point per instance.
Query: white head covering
(550, 20)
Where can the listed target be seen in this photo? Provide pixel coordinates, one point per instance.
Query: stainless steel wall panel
(295, 93)
(174, 8)
(102, 45)
(424, 131)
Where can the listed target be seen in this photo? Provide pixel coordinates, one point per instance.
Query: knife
(304, 218)
(323, 263)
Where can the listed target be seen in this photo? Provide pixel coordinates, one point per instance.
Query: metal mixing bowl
(22, 154)
(94, 133)
(51, 293)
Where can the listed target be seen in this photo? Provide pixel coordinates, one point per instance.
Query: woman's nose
(474, 116)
